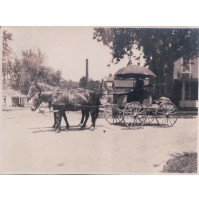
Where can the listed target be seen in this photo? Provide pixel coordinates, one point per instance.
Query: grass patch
(182, 163)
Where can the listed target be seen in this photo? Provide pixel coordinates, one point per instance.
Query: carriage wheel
(150, 113)
(166, 114)
(113, 115)
(134, 115)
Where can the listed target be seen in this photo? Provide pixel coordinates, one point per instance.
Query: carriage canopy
(134, 71)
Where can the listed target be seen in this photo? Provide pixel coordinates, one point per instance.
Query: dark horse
(69, 100)
(36, 88)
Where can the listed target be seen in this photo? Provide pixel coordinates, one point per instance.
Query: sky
(66, 49)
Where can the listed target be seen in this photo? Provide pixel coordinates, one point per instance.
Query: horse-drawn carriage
(125, 107)
(135, 113)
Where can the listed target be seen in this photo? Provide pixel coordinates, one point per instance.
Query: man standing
(139, 90)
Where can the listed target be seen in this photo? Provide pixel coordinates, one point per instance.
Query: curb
(187, 114)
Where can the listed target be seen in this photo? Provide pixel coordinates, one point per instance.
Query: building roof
(13, 93)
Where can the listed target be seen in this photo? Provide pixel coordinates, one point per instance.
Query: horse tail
(97, 104)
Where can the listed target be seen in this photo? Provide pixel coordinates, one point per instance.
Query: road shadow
(42, 129)
(147, 125)
(63, 129)
(123, 126)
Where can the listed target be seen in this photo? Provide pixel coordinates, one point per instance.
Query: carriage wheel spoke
(173, 119)
(142, 112)
(167, 121)
(163, 113)
(162, 119)
(134, 121)
(140, 120)
(172, 110)
(173, 113)
(170, 121)
(138, 109)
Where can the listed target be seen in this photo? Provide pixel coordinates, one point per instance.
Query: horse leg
(86, 119)
(82, 119)
(94, 115)
(54, 125)
(58, 122)
(66, 120)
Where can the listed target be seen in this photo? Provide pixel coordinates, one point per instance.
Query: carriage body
(134, 115)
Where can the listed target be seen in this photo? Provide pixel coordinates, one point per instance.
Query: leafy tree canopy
(18, 73)
(30, 67)
(91, 84)
(161, 46)
(83, 82)
(172, 43)
(6, 54)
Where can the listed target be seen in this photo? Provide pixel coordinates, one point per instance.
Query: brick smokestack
(87, 70)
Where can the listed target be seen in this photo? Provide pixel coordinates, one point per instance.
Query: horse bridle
(39, 97)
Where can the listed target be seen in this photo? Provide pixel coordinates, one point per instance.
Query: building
(185, 85)
(12, 98)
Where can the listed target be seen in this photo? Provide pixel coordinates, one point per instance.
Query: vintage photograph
(99, 100)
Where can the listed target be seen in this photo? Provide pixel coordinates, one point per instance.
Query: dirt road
(29, 145)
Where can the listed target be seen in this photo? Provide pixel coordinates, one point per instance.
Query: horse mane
(45, 87)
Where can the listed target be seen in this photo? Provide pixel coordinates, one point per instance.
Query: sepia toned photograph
(99, 100)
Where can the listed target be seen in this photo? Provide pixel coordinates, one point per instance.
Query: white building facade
(185, 88)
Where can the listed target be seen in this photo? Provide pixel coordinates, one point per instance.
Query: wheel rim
(134, 115)
(166, 114)
(113, 115)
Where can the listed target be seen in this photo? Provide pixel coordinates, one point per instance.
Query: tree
(90, 85)
(161, 47)
(83, 82)
(30, 67)
(6, 55)
(93, 85)
(65, 84)
(56, 78)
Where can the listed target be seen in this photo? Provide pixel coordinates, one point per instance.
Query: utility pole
(87, 71)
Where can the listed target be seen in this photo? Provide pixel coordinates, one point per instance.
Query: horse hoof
(82, 127)
(92, 128)
(57, 130)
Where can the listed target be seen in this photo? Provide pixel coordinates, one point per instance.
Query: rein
(40, 103)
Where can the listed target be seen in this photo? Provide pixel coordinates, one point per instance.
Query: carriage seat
(161, 100)
(125, 92)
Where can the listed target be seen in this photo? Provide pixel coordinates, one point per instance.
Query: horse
(39, 94)
(41, 87)
(70, 100)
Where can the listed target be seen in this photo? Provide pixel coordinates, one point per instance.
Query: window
(186, 61)
(186, 68)
(187, 91)
(191, 91)
(4, 101)
(194, 91)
